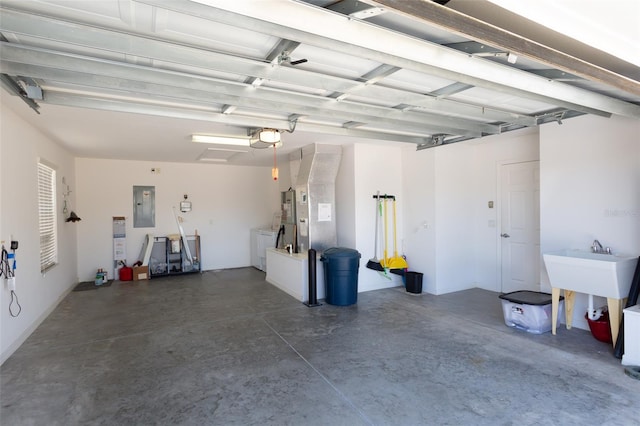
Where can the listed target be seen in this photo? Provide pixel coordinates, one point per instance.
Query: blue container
(341, 275)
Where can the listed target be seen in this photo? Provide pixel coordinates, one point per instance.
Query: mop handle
(385, 232)
(375, 246)
(395, 249)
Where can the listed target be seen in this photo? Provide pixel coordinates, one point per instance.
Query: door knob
(505, 235)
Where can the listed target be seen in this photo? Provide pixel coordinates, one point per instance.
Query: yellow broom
(395, 262)
(385, 261)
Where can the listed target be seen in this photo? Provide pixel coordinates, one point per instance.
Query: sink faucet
(596, 247)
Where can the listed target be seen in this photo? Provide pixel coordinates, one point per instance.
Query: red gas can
(126, 273)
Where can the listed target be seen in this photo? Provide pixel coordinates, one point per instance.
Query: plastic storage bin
(529, 310)
(340, 266)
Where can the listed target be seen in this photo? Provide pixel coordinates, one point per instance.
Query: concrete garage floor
(225, 347)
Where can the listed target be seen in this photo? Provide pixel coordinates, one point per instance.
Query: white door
(520, 226)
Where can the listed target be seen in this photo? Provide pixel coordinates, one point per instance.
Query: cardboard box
(140, 273)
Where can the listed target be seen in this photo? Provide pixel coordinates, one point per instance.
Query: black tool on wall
(634, 292)
(280, 232)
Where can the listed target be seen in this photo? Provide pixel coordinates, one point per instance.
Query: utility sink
(605, 275)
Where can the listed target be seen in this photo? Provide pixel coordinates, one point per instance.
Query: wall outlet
(11, 283)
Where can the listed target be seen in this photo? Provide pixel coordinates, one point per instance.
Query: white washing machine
(261, 239)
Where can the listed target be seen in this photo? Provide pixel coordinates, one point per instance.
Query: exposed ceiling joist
(454, 21)
(143, 45)
(358, 70)
(311, 25)
(80, 101)
(133, 78)
(451, 89)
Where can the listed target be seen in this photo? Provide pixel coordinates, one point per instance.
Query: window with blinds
(47, 216)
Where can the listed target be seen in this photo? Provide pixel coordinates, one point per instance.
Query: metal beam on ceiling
(467, 26)
(425, 113)
(44, 64)
(451, 89)
(146, 46)
(315, 26)
(547, 117)
(10, 84)
(557, 75)
(367, 79)
(74, 100)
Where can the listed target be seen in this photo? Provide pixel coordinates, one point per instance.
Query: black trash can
(413, 281)
(341, 275)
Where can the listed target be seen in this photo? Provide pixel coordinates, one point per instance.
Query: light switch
(490, 203)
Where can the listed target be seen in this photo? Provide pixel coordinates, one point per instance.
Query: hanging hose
(280, 232)
(8, 271)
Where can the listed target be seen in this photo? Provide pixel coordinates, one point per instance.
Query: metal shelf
(168, 257)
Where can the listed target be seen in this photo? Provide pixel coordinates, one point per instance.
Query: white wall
(419, 188)
(21, 147)
(455, 212)
(590, 189)
(375, 168)
(451, 235)
(489, 155)
(346, 224)
(227, 202)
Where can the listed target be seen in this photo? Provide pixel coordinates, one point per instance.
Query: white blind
(47, 216)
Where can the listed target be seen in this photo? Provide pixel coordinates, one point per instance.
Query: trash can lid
(526, 297)
(335, 252)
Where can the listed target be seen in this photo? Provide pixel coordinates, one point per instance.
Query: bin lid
(340, 252)
(526, 297)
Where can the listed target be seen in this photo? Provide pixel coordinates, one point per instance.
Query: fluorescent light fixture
(227, 149)
(214, 160)
(221, 140)
(269, 135)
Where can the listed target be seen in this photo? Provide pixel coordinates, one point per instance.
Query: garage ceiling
(134, 79)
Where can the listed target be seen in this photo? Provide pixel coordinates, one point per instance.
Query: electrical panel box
(144, 206)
